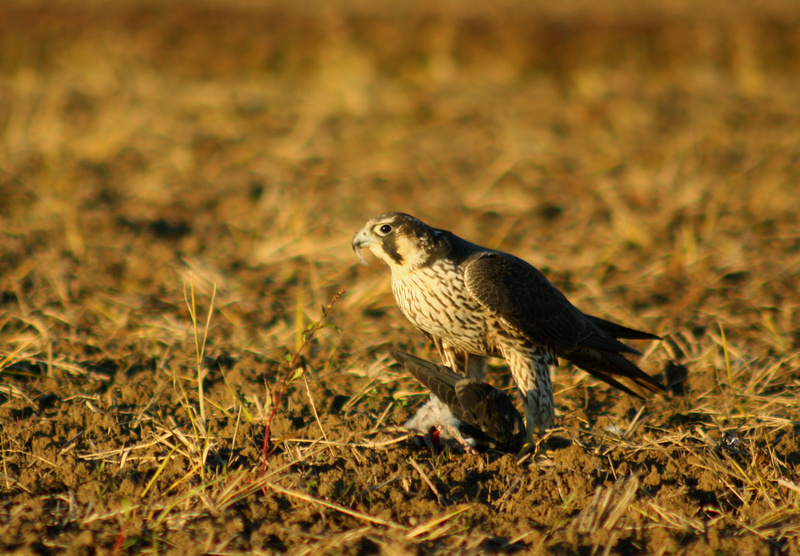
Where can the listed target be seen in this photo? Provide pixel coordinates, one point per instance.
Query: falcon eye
(385, 229)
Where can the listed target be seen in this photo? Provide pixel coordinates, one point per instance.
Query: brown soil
(645, 159)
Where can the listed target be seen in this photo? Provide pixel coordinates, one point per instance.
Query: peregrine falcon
(474, 302)
(474, 413)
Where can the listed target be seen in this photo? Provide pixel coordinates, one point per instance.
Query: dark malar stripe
(390, 248)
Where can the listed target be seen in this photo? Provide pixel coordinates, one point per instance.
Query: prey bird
(475, 414)
(474, 302)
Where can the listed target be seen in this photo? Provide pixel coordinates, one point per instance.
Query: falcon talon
(474, 302)
(528, 449)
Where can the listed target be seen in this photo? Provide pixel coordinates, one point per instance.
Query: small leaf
(296, 373)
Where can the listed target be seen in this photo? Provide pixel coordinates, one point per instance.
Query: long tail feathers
(619, 331)
(616, 370)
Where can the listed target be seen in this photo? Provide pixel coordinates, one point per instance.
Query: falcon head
(400, 240)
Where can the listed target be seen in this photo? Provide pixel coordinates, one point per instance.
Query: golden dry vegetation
(646, 157)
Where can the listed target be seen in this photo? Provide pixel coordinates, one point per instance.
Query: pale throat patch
(376, 248)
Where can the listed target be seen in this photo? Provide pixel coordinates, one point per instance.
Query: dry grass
(645, 158)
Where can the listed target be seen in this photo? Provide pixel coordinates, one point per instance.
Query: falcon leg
(539, 412)
(463, 363)
(531, 371)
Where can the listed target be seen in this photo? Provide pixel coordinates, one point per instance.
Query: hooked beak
(362, 239)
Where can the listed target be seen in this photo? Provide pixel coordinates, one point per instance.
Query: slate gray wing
(526, 301)
(524, 298)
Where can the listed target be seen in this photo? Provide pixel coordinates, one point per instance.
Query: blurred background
(643, 154)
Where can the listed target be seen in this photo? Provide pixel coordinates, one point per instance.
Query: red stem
(278, 398)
